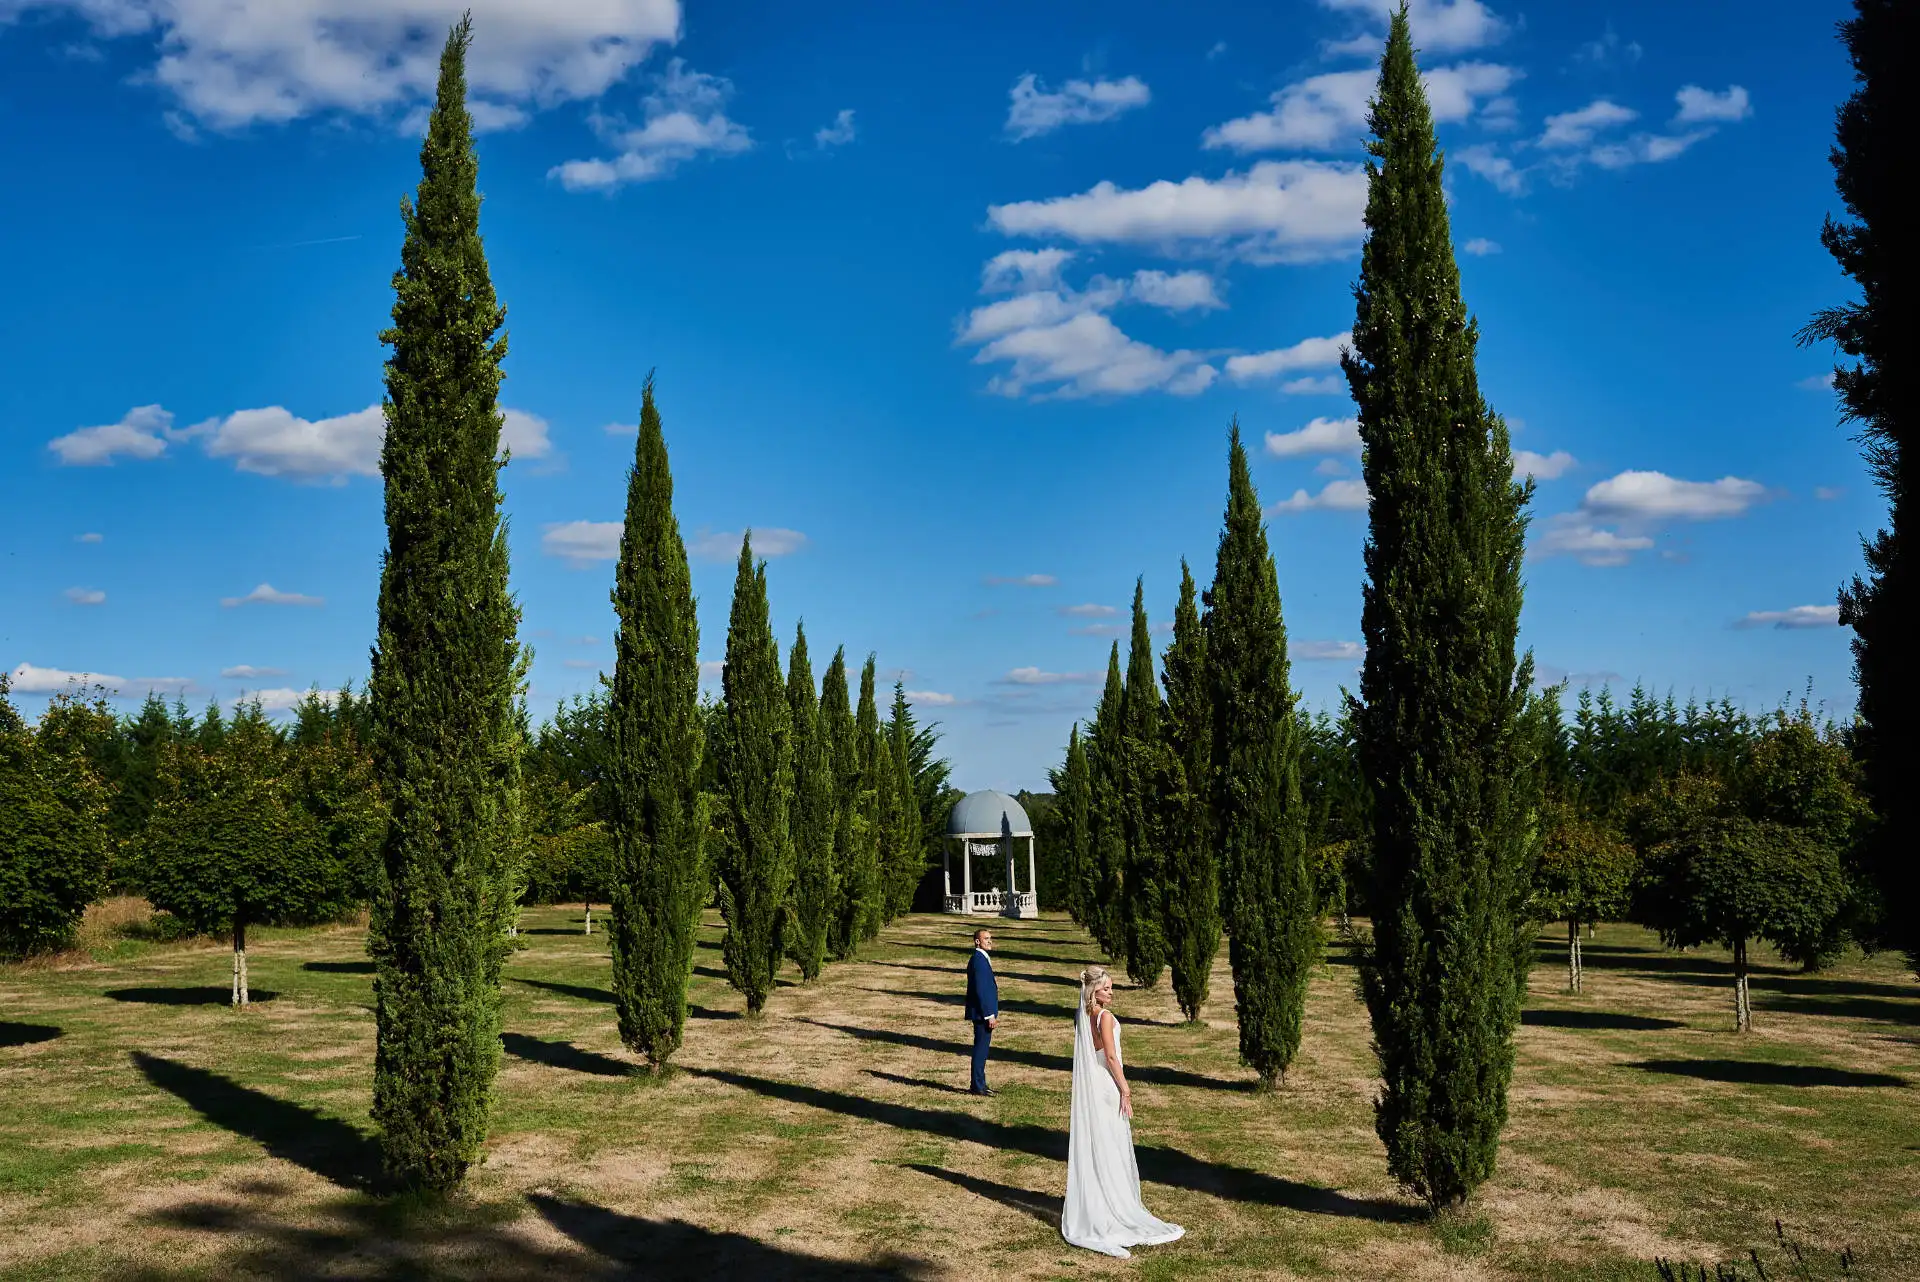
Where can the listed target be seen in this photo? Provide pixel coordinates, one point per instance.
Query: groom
(983, 1006)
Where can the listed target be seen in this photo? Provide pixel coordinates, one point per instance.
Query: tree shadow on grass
(1041, 1207)
(960, 973)
(1009, 954)
(203, 995)
(1161, 1165)
(923, 1083)
(1595, 1019)
(339, 967)
(550, 930)
(12, 1034)
(1019, 1005)
(580, 991)
(1155, 1073)
(675, 1251)
(327, 1146)
(708, 1012)
(714, 972)
(564, 1055)
(1760, 1073)
(1658, 963)
(1876, 1008)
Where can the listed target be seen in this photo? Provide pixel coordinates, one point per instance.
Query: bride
(1103, 1210)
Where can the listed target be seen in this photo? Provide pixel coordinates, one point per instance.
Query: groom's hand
(993, 1021)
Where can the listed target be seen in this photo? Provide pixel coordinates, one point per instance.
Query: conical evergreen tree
(1191, 881)
(756, 777)
(445, 674)
(892, 851)
(1076, 796)
(910, 843)
(812, 817)
(654, 744)
(1106, 813)
(1143, 910)
(853, 880)
(1440, 739)
(1258, 829)
(868, 830)
(1873, 133)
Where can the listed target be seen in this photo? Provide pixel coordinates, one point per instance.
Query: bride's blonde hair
(1090, 980)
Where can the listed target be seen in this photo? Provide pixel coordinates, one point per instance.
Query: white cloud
(1308, 353)
(1800, 616)
(580, 665)
(1644, 149)
(837, 134)
(1032, 110)
(581, 542)
(248, 672)
(1817, 382)
(1279, 210)
(1327, 385)
(1609, 49)
(275, 442)
(230, 63)
(1023, 270)
(932, 698)
(1656, 496)
(1176, 292)
(1037, 677)
(1437, 24)
(724, 545)
(1703, 105)
(1088, 611)
(1577, 128)
(1335, 496)
(1321, 436)
(279, 699)
(525, 434)
(267, 594)
(1327, 651)
(28, 679)
(89, 538)
(684, 117)
(1330, 467)
(1827, 493)
(1455, 92)
(1542, 467)
(1088, 355)
(1574, 534)
(1489, 164)
(1480, 247)
(1099, 630)
(86, 596)
(712, 669)
(1329, 111)
(1021, 581)
(142, 433)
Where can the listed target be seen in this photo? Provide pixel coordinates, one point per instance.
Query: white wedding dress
(1103, 1211)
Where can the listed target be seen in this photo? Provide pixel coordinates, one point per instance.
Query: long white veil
(1102, 1211)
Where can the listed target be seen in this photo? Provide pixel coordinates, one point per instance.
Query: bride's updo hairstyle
(1090, 980)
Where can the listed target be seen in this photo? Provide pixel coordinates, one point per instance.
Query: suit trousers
(982, 1038)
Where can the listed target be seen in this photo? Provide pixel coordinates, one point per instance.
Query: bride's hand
(1126, 1102)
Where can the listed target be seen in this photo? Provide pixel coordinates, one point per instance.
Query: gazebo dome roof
(979, 813)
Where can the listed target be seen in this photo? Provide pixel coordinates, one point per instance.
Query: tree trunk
(239, 962)
(1573, 955)
(589, 929)
(1742, 1005)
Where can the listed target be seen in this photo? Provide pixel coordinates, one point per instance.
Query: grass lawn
(148, 1131)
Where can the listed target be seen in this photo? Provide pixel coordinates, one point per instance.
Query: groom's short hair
(976, 934)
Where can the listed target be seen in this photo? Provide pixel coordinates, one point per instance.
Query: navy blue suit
(983, 1003)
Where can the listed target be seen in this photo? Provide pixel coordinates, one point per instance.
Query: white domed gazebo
(988, 823)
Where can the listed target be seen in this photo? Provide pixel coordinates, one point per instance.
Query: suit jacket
(983, 993)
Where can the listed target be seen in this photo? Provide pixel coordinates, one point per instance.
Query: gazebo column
(966, 874)
(1033, 879)
(946, 872)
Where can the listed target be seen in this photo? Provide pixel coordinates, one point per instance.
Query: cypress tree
(813, 819)
(654, 743)
(445, 672)
(1075, 789)
(1191, 880)
(1441, 735)
(853, 878)
(868, 832)
(911, 842)
(1106, 813)
(1143, 910)
(1257, 826)
(892, 851)
(756, 776)
(1872, 136)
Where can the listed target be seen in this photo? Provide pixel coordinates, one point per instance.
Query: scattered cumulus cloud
(1023, 270)
(86, 596)
(1328, 112)
(1827, 493)
(1308, 353)
(89, 538)
(931, 698)
(249, 672)
(267, 594)
(30, 679)
(1334, 496)
(1088, 611)
(1176, 291)
(1098, 630)
(1574, 534)
(1438, 25)
(580, 543)
(1480, 247)
(837, 134)
(724, 545)
(1609, 50)
(1327, 651)
(1321, 436)
(1033, 110)
(1800, 616)
(525, 435)
(1021, 581)
(1482, 159)
(142, 433)
(1699, 105)
(1578, 128)
(712, 669)
(682, 118)
(579, 665)
(1817, 382)
(1542, 467)
(1325, 385)
(1039, 677)
(1634, 504)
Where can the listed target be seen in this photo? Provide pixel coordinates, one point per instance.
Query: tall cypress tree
(812, 816)
(1143, 910)
(1191, 883)
(869, 831)
(1106, 813)
(853, 878)
(445, 673)
(756, 777)
(1257, 826)
(910, 844)
(1440, 738)
(1075, 789)
(1872, 135)
(653, 767)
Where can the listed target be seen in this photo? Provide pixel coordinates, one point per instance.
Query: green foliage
(1074, 787)
(575, 865)
(870, 875)
(906, 822)
(1441, 739)
(1191, 879)
(1873, 142)
(856, 878)
(813, 819)
(53, 830)
(756, 776)
(1258, 823)
(654, 743)
(1585, 875)
(1151, 778)
(1106, 815)
(446, 671)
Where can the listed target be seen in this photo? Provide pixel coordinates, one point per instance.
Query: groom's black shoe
(984, 1090)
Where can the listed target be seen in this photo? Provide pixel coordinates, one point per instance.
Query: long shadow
(339, 967)
(1041, 1207)
(960, 973)
(1815, 985)
(1877, 1008)
(327, 1146)
(925, 1084)
(580, 991)
(1161, 1165)
(563, 1055)
(1759, 1073)
(1009, 954)
(1155, 1073)
(708, 1012)
(12, 1034)
(204, 995)
(1594, 1019)
(1660, 965)
(1019, 1005)
(550, 930)
(675, 1251)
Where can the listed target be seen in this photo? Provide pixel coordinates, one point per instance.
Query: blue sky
(952, 304)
